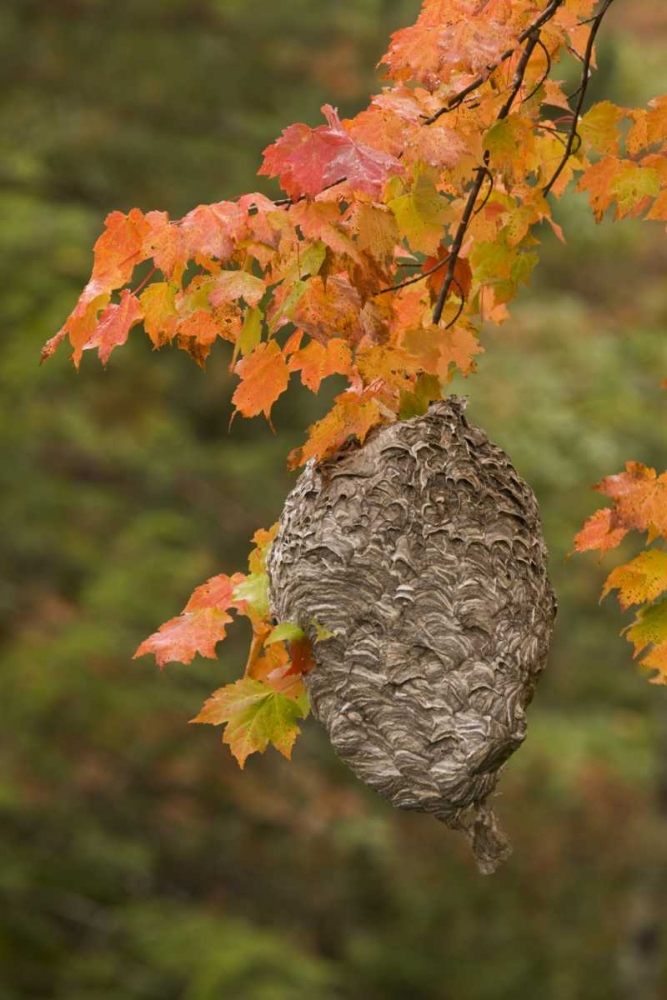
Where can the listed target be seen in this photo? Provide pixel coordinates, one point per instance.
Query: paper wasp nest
(422, 552)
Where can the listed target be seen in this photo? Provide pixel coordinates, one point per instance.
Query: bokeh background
(136, 862)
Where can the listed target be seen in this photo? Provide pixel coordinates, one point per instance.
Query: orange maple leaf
(181, 638)
(353, 415)
(158, 303)
(316, 362)
(599, 533)
(114, 325)
(264, 377)
(120, 248)
(640, 498)
(641, 580)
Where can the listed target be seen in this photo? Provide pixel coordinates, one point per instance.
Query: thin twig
(519, 74)
(482, 172)
(413, 281)
(554, 131)
(544, 76)
(462, 303)
(458, 99)
(585, 77)
(458, 239)
(488, 193)
(145, 281)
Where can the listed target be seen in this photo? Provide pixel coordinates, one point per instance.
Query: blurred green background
(136, 862)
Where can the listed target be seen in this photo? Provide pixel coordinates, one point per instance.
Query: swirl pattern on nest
(422, 552)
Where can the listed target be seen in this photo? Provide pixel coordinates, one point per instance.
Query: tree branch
(458, 239)
(532, 39)
(585, 77)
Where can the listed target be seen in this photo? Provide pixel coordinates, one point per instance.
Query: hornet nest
(422, 553)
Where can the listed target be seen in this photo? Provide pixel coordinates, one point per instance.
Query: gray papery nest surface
(422, 552)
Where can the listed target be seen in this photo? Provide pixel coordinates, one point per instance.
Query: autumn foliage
(401, 231)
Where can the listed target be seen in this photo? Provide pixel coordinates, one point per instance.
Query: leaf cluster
(401, 231)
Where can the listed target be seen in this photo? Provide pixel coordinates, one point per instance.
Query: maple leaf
(252, 596)
(649, 128)
(448, 37)
(322, 221)
(640, 498)
(656, 659)
(200, 325)
(641, 580)
(376, 229)
(117, 251)
(390, 365)
(218, 592)
(438, 348)
(262, 540)
(421, 213)
(231, 285)
(282, 670)
(307, 160)
(254, 716)
(382, 125)
(599, 533)
(158, 303)
(264, 377)
(316, 362)
(114, 325)
(511, 144)
(249, 336)
(212, 230)
(200, 626)
(394, 122)
(649, 627)
(285, 632)
(181, 638)
(164, 243)
(353, 415)
(598, 128)
(331, 310)
(415, 401)
(435, 281)
(120, 248)
(81, 323)
(613, 179)
(284, 662)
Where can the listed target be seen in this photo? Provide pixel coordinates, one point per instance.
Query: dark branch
(532, 39)
(519, 74)
(544, 76)
(585, 77)
(488, 193)
(458, 239)
(462, 303)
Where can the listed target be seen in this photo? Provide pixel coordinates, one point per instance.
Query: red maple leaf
(308, 160)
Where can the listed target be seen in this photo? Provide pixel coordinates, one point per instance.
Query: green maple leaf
(650, 626)
(421, 213)
(255, 592)
(285, 632)
(254, 715)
